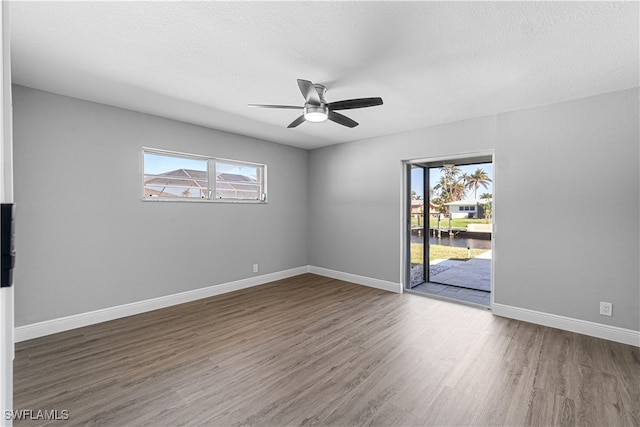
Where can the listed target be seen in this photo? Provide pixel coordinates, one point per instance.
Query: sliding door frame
(434, 161)
(406, 265)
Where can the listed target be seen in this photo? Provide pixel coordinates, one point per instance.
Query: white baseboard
(35, 330)
(612, 333)
(360, 280)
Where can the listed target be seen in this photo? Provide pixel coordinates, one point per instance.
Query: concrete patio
(462, 280)
(472, 274)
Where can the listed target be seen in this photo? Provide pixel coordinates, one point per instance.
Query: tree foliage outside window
(453, 185)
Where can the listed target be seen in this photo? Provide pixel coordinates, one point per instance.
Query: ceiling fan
(317, 109)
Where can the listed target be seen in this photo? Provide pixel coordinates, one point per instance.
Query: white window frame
(211, 178)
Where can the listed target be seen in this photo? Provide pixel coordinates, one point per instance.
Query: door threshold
(447, 298)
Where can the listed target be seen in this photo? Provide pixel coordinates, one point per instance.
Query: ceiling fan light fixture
(316, 113)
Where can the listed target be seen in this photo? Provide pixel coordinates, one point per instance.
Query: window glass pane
(238, 181)
(175, 176)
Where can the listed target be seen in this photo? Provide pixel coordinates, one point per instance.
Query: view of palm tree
(479, 177)
(453, 185)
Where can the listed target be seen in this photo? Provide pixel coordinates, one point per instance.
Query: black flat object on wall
(8, 251)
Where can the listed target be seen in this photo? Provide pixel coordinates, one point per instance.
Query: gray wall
(86, 241)
(577, 162)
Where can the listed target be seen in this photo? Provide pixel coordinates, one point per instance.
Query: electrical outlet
(255, 268)
(606, 308)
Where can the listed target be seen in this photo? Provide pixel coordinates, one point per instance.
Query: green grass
(458, 222)
(441, 252)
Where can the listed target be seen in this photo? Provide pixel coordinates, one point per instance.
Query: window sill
(186, 200)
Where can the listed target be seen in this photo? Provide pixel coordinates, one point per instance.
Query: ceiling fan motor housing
(322, 90)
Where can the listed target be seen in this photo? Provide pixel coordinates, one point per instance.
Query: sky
(435, 174)
(155, 164)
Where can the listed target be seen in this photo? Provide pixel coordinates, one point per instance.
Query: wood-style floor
(316, 351)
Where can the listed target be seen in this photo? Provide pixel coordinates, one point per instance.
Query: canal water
(454, 241)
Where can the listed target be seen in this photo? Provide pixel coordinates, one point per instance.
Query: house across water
(469, 208)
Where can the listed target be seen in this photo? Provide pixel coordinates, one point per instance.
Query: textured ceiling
(431, 62)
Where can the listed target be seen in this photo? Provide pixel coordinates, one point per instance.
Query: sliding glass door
(449, 215)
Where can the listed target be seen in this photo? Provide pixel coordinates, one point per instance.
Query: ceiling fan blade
(343, 120)
(283, 107)
(350, 104)
(309, 92)
(296, 122)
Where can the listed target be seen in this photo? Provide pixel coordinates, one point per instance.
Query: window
(238, 181)
(173, 176)
(178, 177)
